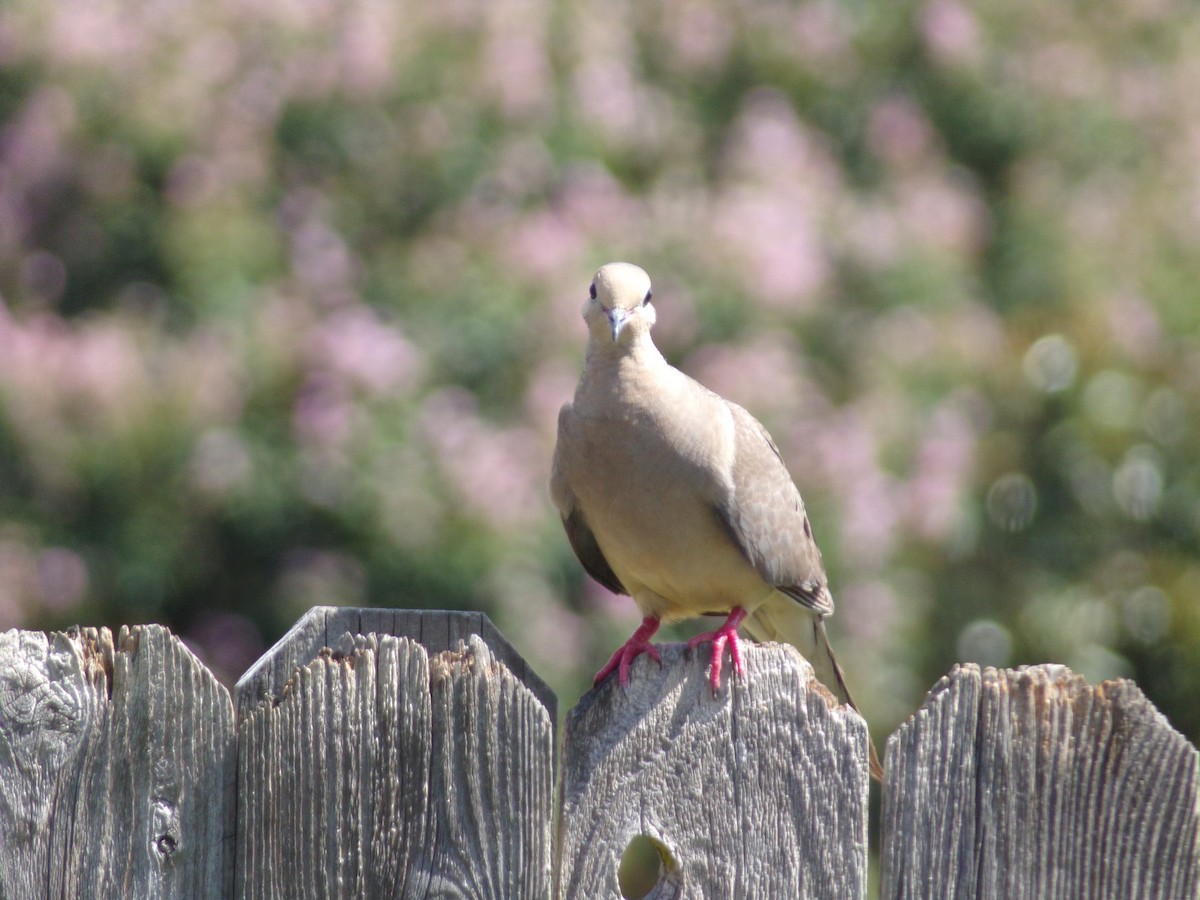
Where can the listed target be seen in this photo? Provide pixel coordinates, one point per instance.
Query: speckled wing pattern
(765, 517)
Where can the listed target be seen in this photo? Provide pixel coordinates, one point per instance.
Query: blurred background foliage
(291, 291)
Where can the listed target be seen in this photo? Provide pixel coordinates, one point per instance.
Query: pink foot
(637, 644)
(727, 633)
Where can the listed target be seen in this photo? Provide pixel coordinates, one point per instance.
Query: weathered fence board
(116, 767)
(380, 770)
(759, 792)
(435, 630)
(367, 763)
(1034, 784)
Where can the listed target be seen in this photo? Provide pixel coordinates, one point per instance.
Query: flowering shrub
(291, 293)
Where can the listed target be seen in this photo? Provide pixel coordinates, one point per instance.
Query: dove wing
(765, 516)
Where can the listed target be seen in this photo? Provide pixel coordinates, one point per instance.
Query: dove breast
(650, 468)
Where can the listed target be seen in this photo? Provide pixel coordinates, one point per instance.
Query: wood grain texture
(759, 792)
(380, 770)
(1030, 783)
(117, 767)
(435, 630)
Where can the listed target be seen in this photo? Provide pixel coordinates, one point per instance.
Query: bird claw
(638, 643)
(726, 634)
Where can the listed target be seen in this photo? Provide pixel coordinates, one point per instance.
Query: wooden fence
(377, 753)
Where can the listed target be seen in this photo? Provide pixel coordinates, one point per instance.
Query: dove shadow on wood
(381, 770)
(117, 766)
(759, 792)
(1031, 783)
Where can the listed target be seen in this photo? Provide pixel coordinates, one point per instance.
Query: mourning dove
(679, 498)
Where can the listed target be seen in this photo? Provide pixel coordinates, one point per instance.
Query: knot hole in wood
(649, 871)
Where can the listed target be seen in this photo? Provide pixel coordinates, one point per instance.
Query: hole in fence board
(648, 871)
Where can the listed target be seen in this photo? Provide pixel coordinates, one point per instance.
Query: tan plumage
(678, 497)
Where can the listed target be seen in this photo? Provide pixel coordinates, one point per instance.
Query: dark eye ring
(649, 294)
(592, 290)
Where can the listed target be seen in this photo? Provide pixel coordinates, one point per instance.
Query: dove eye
(592, 290)
(646, 299)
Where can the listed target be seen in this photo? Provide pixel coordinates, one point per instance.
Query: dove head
(618, 309)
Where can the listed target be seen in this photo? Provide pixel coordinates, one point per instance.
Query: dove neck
(636, 352)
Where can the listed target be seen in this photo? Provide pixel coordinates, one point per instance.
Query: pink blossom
(700, 35)
(870, 610)
(527, 600)
(517, 69)
(106, 377)
(35, 580)
(110, 172)
(872, 234)
(96, 33)
(869, 521)
(207, 376)
(220, 462)
(412, 508)
(325, 413)
(942, 474)
(904, 338)
(33, 144)
(550, 386)
(899, 133)
(823, 33)
(773, 148)
(191, 181)
(598, 205)
(353, 344)
(321, 259)
(553, 635)
(18, 579)
(499, 474)
(951, 32)
(317, 577)
(616, 606)
(44, 276)
(523, 167)
(764, 375)
(227, 643)
(946, 213)
(608, 97)
(62, 577)
(368, 46)
(1135, 327)
(773, 240)
(543, 242)
(844, 452)
(1066, 69)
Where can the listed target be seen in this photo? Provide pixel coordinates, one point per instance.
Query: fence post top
(325, 626)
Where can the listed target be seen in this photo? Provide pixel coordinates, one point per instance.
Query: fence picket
(1032, 783)
(116, 767)
(759, 792)
(392, 753)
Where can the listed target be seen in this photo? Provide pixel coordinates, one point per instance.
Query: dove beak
(617, 318)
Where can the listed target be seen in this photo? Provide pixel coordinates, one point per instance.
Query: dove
(679, 498)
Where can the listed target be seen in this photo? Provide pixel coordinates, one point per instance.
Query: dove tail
(806, 632)
(825, 664)
(832, 669)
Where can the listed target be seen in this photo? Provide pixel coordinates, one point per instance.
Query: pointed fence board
(435, 630)
(381, 770)
(1031, 783)
(117, 767)
(370, 764)
(759, 792)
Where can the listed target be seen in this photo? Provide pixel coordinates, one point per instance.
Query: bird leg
(727, 633)
(638, 643)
